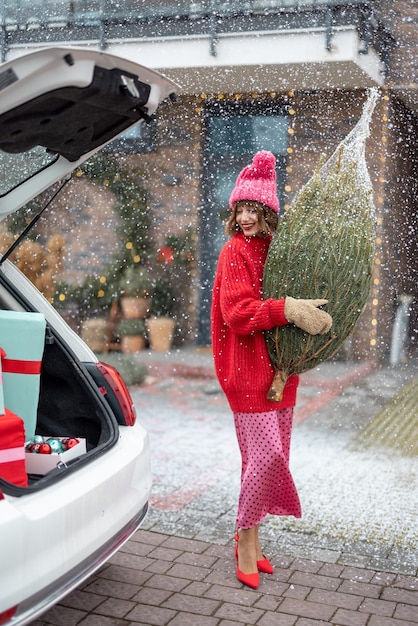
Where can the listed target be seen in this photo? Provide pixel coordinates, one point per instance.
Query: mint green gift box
(22, 338)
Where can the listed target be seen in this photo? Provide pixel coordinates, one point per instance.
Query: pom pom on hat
(257, 182)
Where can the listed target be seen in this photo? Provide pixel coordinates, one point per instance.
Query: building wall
(173, 180)
(84, 215)
(401, 18)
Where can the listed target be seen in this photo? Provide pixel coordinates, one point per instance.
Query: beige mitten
(306, 315)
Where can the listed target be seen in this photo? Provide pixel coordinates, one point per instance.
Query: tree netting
(324, 248)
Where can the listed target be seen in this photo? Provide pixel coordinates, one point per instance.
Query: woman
(239, 317)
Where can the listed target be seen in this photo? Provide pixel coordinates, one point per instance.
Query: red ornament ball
(70, 442)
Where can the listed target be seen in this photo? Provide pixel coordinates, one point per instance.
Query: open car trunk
(73, 396)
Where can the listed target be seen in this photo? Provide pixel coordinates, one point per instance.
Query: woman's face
(246, 216)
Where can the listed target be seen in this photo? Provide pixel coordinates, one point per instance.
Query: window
(234, 134)
(247, 134)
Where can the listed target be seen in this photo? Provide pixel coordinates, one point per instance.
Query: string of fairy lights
(290, 150)
(382, 159)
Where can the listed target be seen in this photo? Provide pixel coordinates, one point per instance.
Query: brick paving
(179, 569)
(158, 580)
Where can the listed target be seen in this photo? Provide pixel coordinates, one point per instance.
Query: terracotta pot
(160, 333)
(135, 308)
(94, 333)
(132, 343)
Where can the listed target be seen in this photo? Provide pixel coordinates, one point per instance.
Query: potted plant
(161, 324)
(131, 333)
(135, 288)
(86, 309)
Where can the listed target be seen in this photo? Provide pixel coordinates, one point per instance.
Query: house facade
(287, 76)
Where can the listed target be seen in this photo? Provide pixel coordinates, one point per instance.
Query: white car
(58, 107)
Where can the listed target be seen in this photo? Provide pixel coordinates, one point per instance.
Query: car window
(16, 168)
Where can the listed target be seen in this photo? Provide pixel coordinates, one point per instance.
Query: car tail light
(116, 384)
(6, 615)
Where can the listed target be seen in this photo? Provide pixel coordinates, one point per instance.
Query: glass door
(233, 135)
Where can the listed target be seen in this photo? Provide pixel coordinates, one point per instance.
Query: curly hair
(267, 219)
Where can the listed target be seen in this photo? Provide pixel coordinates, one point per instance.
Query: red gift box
(12, 449)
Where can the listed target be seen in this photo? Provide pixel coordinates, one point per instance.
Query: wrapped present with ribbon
(12, 449)
(22, 339)
(12, 442)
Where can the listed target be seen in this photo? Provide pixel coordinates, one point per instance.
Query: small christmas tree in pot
(135, 287)
(161, 324)
(132, 335)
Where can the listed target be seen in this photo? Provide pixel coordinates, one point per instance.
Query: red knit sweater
(239, 316)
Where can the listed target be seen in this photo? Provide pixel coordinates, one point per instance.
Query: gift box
(41, 464)
(2, 409)
(12, 449)
(22, 339)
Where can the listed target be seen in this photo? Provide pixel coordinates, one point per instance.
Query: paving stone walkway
(159, 580)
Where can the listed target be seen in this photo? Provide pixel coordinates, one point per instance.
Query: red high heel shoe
(251, 580)
(265, 566)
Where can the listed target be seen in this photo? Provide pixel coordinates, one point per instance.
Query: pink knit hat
(257, 182)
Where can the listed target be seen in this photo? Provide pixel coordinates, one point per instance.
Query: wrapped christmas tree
(324, 248)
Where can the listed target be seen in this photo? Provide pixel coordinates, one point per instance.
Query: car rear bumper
(37, 604)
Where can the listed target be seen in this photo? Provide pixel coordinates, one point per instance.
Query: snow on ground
(353, 495)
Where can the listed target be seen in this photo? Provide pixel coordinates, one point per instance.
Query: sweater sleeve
(240, 296)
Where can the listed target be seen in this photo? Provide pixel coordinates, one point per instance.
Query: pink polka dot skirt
(267, 485)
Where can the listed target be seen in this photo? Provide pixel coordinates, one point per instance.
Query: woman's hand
(306, 315)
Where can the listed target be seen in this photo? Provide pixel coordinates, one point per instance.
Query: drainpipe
(400, 330)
